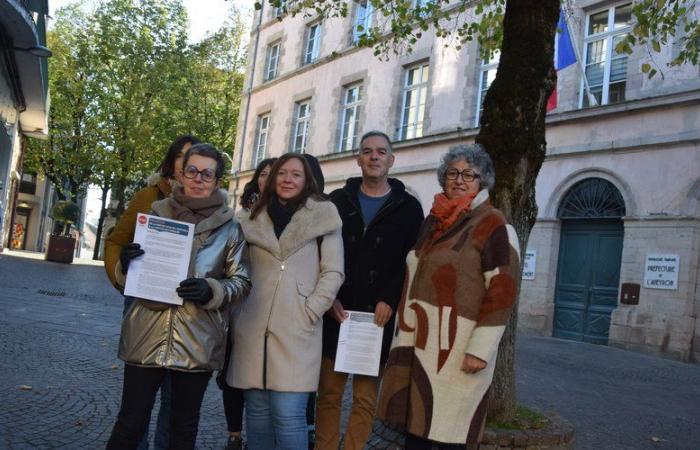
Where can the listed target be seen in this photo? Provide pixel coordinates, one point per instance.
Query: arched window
(592, 198)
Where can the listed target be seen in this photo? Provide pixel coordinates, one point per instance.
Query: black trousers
(138, 395)
(418, 443)
(233, 407)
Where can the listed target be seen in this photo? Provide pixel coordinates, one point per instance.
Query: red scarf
(446, 211)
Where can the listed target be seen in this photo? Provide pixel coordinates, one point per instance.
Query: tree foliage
(124, 82)
(69, 157)
(659, 23)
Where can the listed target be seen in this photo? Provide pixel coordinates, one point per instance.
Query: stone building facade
(620, 185)
(24, 103)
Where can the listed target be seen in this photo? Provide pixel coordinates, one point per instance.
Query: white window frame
(364, 20)
(301, 125)
(312, 47)
(349, 108)
(414, 129)
(272, 58)
(487, 65)
(260, 148)
(608, 37)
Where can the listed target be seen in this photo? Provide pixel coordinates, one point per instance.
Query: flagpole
(579, 60)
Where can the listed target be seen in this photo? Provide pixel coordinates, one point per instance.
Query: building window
(28, 183)
(302, 118)
(313, 43)
(606, 69)
(281, 9)
(363, 20)
(263, 127)
(272, 61)
(415, 92)
(487, 73)
(350, 116)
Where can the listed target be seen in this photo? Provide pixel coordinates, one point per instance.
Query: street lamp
(37, 50)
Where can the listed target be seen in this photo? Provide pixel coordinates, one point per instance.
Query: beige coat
(277, 332)
(191, 337)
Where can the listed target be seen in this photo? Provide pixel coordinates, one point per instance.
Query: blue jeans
(160, 441)
(276, 420)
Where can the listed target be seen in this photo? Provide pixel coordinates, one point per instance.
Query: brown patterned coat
(459, 295)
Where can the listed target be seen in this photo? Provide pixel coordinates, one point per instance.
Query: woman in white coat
(296, 253)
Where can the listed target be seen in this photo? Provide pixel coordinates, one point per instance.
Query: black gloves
(129, 252)
(196, 290)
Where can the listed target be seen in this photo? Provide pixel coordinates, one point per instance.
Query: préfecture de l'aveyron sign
(661, 271)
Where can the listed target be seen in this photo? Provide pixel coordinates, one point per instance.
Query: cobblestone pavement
(60, 380)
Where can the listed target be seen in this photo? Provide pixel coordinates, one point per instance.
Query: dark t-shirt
(370, 206)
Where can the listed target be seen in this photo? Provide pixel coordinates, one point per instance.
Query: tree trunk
(119, 192)
(513, 132)
(101, 222)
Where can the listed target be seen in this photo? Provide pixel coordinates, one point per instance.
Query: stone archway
(590, 252)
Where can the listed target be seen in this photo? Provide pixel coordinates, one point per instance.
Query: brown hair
(310, 188)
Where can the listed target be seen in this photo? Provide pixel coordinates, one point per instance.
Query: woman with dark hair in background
(188, 341)
(159, 186)
(297, 268)
(254, 188)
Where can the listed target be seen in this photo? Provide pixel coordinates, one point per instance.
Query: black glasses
(207, 175)
(467, 175)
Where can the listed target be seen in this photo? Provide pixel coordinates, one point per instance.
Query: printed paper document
(359, 345)
(167, 245)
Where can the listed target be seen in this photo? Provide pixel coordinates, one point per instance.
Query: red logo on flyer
(142, 220)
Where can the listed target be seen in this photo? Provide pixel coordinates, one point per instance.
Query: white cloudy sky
(203, 19)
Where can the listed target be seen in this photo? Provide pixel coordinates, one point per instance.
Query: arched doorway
(590, 252)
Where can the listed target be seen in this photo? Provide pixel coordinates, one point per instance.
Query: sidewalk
(42, 257)
(60, 379)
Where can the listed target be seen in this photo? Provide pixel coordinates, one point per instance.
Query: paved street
(60, 381)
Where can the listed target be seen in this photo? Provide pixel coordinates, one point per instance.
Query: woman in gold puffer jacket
(186, 342)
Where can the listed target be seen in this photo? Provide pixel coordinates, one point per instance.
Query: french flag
(564, 55)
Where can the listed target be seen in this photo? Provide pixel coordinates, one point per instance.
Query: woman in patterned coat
(462, 281)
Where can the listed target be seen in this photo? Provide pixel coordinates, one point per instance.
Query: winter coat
(277, 331)
(375, 257)
(191, 337)
(123, 233)
(460, 293)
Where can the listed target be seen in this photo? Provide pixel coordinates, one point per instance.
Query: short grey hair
(375, 133)
(475, 155)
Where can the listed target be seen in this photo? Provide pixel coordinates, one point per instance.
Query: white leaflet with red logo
(167, 246)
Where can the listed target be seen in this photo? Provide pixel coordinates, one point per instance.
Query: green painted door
(588, 277)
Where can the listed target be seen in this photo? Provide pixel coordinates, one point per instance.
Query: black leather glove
(196, 290)
(129, 252)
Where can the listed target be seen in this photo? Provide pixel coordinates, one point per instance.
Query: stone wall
(664, 321)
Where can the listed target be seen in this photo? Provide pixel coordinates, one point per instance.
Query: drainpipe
(247, 106)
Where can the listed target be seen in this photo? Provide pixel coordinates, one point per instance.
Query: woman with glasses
(296, 252)
(462, 280)
(158, 187)
(186, 342)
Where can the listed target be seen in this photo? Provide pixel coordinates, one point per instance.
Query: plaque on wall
(529, 265)
(661, 271)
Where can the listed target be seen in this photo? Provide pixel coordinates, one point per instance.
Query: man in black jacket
(380, 226)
